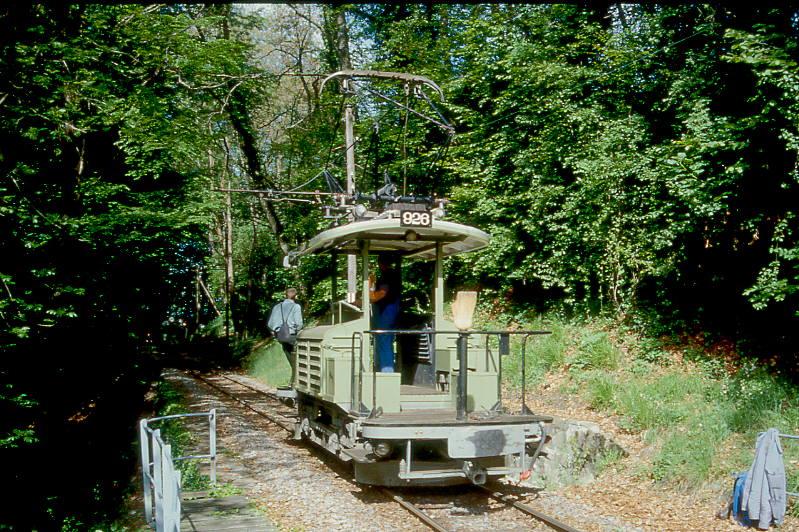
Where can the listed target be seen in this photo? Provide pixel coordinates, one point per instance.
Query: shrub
(760, 401)
(651, 350)
(608, 458)
(596, 351)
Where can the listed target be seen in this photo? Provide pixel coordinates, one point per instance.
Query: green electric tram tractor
(438, 418)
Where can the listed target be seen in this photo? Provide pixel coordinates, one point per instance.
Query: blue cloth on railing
(764, 492)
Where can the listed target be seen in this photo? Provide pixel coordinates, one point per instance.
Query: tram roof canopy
(386, 234)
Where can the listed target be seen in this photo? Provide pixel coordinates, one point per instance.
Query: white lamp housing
(463, 309)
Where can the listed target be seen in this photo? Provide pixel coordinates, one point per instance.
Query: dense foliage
(109, 121)
(641, 159)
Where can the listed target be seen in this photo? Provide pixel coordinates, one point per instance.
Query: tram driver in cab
(384, 294)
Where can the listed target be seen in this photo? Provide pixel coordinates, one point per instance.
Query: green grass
(600, 390)
(761, 400)
(688, 451)
(660, 402)
(694, 415)
(268, 363)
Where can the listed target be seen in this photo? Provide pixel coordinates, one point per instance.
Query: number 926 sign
(416, 219)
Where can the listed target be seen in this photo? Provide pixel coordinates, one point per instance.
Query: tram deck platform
(412, 389)
(448, 417)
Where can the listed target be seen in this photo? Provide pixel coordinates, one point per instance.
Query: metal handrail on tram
(355, 404)
(462, 347)
(341, 305)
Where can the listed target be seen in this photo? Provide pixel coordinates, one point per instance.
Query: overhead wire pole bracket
(401, 76)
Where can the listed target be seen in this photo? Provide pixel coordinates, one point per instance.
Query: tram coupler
(476, 474)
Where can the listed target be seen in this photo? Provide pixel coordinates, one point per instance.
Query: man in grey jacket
(287, 313)
(764, 494)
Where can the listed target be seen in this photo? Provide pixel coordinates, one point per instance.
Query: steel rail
(269, 395)
(244, 403)
(253, 388)
(415, 510)
(549, 521)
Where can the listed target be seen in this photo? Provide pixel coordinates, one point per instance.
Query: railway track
(281, 421)
(286, 422)
(529, 510)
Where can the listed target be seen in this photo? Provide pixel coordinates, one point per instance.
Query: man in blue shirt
(384, 294)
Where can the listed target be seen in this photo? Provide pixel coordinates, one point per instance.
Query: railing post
(499, 369)
(168, 469)
(177, 507)
(158, 484)
(174, 493)
(353, 405)
(146, 471)
(463, 369)
(212, 443)
(525, 410)
(360, 375)
(178, 483)
(374, 377)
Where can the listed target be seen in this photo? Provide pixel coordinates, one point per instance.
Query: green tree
(110, 117)
(641, 157)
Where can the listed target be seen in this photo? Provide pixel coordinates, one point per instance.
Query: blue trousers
(384, 343)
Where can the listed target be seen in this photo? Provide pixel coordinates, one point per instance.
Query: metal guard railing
(787, 437)
(358, 407)
(160, 478)
(790, 437)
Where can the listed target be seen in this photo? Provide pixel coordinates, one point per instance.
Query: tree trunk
(337, 38)
(229, 281)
